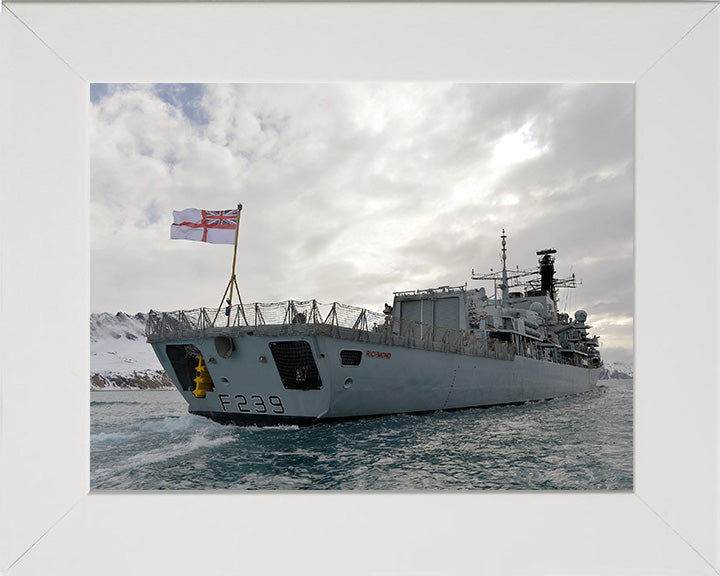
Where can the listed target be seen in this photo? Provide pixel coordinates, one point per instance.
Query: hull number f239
(376, 354)
(253, 403)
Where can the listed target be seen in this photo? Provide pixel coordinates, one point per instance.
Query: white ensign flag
(213, 226)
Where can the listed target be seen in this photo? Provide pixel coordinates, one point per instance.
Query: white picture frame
(50, 523)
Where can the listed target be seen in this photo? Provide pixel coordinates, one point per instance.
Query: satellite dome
(537, 308)
(581, 316)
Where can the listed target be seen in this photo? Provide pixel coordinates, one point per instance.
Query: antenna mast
(504, 285)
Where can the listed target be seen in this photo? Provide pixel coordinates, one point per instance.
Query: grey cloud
(351, 191)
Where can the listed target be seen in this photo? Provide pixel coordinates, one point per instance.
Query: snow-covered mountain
(616, 371)
(120, 357)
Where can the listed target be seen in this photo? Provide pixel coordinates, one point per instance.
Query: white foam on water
(100, 437)
(177, 448)
(170, 424)
(269, 428)
(196, 442)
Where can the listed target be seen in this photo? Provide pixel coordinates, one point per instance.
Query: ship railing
(291, 316)
(334, 320)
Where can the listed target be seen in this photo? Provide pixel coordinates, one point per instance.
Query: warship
(445, 348)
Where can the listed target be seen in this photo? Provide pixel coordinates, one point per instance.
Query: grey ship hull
(248, 387)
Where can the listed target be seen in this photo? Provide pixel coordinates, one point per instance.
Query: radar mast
(504, 285)
(547, 271)
(547, 284)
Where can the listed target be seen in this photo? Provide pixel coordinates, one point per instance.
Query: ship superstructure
(434, 349)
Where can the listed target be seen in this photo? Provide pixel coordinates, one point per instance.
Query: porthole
(224, 346)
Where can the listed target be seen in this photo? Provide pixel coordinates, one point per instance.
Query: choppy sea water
(147, 440)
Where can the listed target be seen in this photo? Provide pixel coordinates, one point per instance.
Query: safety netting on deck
(311, 317)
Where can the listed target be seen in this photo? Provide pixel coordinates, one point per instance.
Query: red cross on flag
(213, 226)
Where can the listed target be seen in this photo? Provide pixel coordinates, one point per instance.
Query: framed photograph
(51, 53)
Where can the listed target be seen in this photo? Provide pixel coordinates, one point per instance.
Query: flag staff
(233, 280)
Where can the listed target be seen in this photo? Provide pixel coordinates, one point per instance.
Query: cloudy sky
(353, 191)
